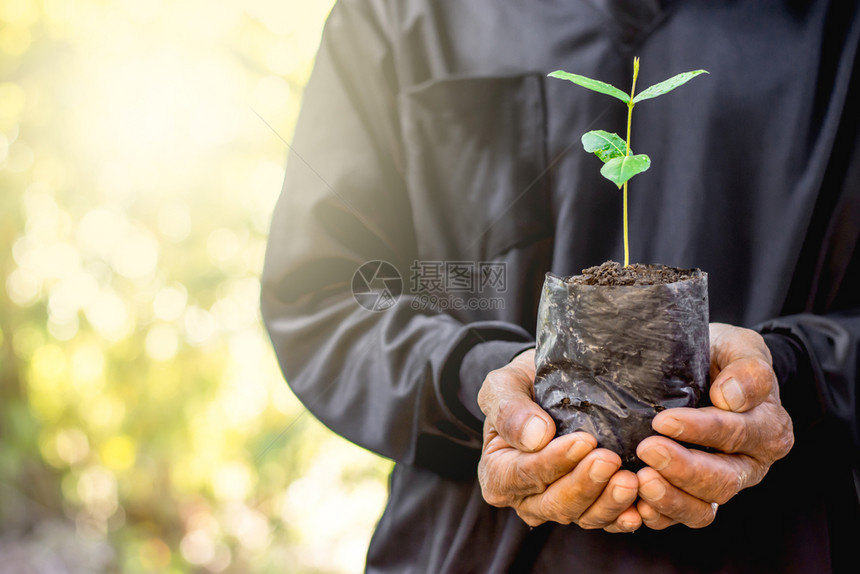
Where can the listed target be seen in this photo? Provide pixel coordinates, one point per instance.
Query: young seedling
(619, 162)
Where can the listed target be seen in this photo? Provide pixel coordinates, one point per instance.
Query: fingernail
(671, 427)
(627, 524)
(601, 471)
(533, 433)
(652, 490)
(621, 494)
(733, 394)
(658, 457)
(578, 450)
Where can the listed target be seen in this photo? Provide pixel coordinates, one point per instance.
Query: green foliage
(612, 151)
(605, 145)
(667, 86)
(620, 169)
(595, 85)
(608, 146)
(619, 162)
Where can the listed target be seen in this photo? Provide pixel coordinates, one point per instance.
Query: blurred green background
(144, 424)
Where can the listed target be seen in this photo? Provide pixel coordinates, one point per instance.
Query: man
(429, 133)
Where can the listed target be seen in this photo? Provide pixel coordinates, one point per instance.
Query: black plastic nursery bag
(609, 358)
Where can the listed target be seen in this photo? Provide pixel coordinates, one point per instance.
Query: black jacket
(430, 133)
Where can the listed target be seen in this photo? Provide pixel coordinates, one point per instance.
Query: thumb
(526, 427)
(506, 398)
(741, 368)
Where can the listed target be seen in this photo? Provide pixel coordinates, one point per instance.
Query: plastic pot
(609, 358)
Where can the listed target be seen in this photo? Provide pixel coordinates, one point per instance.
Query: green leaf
(621, 169)
(667, 85)
(605, 145)
(595, 85)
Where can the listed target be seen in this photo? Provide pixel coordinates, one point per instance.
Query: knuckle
(764, 376)
(705, 518)
(735, 437)
(507, 410)
(492, 499)
(495, 498)
(766, 382)
(490, 491)
(727, 485)
(676, 508)
(753, 475)
(489, 436)
(484, 399)
(727, 491)
(780, 448)
(761, 366)
(482, 471)
(785, 442)
(553, 510)
(587, 524)
(529, 518)
(488, 394)
(523, 476)
(774, 440)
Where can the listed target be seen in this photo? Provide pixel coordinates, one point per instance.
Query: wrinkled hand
(747, 425)
(566, 479)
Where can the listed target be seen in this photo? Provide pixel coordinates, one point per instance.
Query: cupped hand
(545, 479)
(747, 426)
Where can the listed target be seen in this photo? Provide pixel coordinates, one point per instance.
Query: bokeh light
(144, 424)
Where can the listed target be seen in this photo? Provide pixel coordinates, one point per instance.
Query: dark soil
(612, 273)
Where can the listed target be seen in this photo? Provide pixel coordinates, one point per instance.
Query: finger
(506, 398)
(706, 426)
(706, 476)
(651, 518)
(672, 502)
(618, 495)
(741, 368)
(743, 384)
(565, 500)
(506, 474)
(767, 434)
(627, 521)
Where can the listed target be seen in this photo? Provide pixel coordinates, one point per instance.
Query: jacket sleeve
(388, 380)
(817, 361)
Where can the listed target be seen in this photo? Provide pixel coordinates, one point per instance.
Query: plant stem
(629, 118)
(629, 123)
(626, 245)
